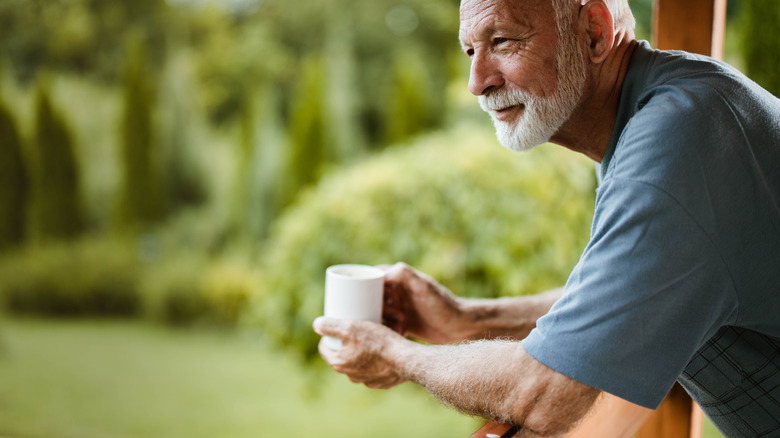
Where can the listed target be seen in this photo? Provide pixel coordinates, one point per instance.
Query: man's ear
(597, 30)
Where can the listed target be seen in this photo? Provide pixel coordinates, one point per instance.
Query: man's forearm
(510, 317)
(497, 379)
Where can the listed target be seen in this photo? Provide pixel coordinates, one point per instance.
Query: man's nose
(484, 75)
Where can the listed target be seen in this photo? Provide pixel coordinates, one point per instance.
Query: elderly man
(681, 278)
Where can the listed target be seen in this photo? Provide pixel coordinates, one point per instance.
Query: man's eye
(499, 40)
(469, 52)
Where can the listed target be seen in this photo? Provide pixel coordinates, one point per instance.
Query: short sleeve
(648, 291)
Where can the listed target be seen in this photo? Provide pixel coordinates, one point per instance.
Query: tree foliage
(81, 36)
(410, 107)
(140, 198)
(483, 221)
(57, 210)
(14, 182)
(760, 43)
(308, 136)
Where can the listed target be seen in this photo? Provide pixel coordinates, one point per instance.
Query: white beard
(542, 116)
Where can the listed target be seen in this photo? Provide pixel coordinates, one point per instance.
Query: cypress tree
(57, 210)
(140, 198)
(408, 110)
(308, 144)
(760, 43)
(14, 181)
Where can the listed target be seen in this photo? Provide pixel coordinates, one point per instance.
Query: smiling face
(528, 72)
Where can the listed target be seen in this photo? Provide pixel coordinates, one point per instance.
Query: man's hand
(418, 306)
(369, 351)
(492, 379)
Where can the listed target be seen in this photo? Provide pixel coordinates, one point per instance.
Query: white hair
(621, 13)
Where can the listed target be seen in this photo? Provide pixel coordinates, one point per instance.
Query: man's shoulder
(668, 100)
(679, 84)
(653, 68)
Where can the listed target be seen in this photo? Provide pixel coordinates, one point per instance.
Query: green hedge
(89, 276)
(191, 289)
(482, 220)
(104, 276)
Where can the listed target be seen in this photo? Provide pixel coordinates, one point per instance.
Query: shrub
(308, 145)
(140, 197)
(89, 276)
(409, 108)
(190, 289)
(760, 45)
(483, 221)
(170, 290)
(13, 182)
(57, 210)
(226, 287)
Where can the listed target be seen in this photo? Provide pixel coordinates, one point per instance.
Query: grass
(128, 379)
(113, 379)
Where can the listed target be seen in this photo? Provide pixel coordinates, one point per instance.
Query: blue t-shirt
(684, 253)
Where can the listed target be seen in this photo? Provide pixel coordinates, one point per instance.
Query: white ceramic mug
(353, 292)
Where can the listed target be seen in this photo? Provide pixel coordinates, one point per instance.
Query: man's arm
(509, 317)
(492, 379)
(418, 306)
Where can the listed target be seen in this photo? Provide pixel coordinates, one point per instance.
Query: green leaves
(760, 44)
(14, 182)
(482, 220)
(57, 209)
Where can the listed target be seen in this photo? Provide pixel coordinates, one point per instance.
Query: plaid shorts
(735, 378)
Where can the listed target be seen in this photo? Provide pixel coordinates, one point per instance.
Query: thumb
(325, 326)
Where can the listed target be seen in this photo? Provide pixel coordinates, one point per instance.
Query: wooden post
(696, 26)
(675, 418)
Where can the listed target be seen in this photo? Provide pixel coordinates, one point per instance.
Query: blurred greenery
(91, 276)
(482, 220)
(140, 199)
(759, 19)
(199, 162)
(97, 379)
(56, 205)
(14, 182)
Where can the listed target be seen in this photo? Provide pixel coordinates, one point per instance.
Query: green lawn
(111, 379)
(127, 379)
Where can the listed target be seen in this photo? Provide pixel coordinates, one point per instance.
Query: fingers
(362, 355)
(394, 309)
(398, 272)
(325, 326)
(396, 306)
(408, 279)
(329, 355)
(382, 383)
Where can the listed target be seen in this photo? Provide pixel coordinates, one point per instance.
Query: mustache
(500, 99)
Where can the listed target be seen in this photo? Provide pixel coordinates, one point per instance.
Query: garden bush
(57, 204)
(88, 276)
(191, 290)
(226, 288)
(103, 276)
(482, 220)
(14, 181)
(169, 289)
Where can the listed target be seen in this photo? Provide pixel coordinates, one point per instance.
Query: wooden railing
(677, 417)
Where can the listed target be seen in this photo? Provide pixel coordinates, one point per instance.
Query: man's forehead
(483, 15)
